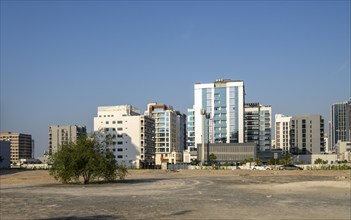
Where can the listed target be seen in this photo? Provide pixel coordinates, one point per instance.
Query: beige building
(167, 144)
(307, 134)
(59, 135)
(132, 134)
(282, 132)
(22, 145)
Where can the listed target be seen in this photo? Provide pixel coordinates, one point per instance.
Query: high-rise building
(340, 125)
(282, 132)
(191, 130)
(59, 135)
(181, 131)
(132, 134)
(258, 125)
(166, 142)
(223, 101)
(307, 134)
(22, 145)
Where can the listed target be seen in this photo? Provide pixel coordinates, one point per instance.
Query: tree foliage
(85, 160)
(212, 160)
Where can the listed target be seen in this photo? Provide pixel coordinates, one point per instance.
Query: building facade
(5, 154)
(22, 145)
(230, 153)
(340, 125)
(59, 135)
(224, 101)
(307, 134)
(132, 134)
(166, 141)
(181, 131)
(282, 132)
(258, 125)
(191, 130)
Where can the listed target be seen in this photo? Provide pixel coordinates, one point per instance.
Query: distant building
(224, 101)
(343, 150)
(307, 134)
(168, 144)
(282, 132)
(22, 145)
(181, 131)
(230, 153)
(340, 125)
(132, 134)
(5, 154)
(59, 135)
(258, 125)
(191, 130)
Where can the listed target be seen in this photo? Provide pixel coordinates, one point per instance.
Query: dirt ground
(183, 194)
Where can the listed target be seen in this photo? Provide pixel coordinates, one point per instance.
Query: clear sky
(60, 60)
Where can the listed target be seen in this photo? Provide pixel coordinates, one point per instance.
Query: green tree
(258, 161)
(287, 159)
(85, 159)
(318, 161)
(212, 160)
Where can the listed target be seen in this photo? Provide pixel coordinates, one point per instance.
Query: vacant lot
(186, 194)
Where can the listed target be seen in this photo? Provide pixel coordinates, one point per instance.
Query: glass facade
(224, 115)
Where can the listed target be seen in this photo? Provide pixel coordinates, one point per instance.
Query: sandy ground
(184, 194)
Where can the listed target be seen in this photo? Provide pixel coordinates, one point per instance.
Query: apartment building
(132, 134)
(307, 134)
(223, 101)
(282, 132)
(22, 145)
(258, 125)
(191, 130)
(59, 135)
(340, 124)
(168, 148)
(181, 131)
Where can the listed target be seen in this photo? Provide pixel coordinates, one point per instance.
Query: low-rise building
(229, 153)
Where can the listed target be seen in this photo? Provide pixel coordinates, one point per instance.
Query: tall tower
(224, 101)
(340, 125)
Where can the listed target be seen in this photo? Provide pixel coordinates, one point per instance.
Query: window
(120, 142)
(120, 149)
(119, 122)
(119, 156)
(119, 129)
(113, 122)
(106, 129)
(107, 122)
(119, 135)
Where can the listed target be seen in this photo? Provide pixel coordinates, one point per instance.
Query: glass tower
(223, 100)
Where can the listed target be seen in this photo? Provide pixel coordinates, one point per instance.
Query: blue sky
(60, 60)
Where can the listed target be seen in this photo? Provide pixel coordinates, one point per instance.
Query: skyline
(61, 60)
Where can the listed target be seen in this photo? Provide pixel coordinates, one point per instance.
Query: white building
(224, 101)
(282, 132)
(258, 125)
(59, 135)
(132, 134)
